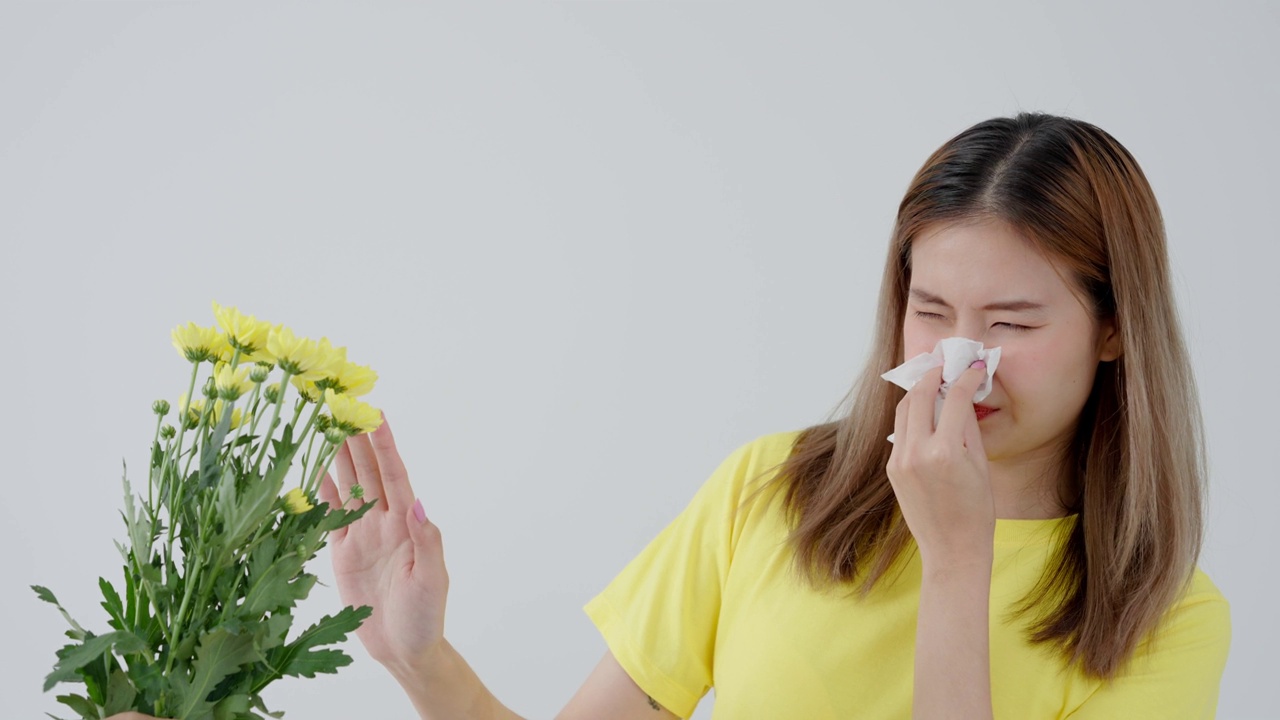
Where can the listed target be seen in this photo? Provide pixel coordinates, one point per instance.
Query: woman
(1033, 557)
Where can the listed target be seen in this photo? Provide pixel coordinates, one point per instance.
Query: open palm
(391, 559)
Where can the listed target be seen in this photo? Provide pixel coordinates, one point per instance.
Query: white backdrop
(591, 248)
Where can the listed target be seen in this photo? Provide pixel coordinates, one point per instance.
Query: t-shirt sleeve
(1177, 676)
(659, 615)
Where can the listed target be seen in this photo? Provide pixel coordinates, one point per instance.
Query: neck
(1026, 487)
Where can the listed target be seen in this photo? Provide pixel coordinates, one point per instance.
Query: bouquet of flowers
(214, 556)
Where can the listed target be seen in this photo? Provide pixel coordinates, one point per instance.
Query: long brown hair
(1136, 463)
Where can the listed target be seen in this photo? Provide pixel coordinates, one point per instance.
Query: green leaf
(112, 604)
(232, 707)
(280, 587)
(46, 595)
(340, 518)
(139, 529)
(82, 705)
(221, 653)
(299, 659)
(210, 471)
(148, 678)
(244, 511)
(120, 694)
(73, 657)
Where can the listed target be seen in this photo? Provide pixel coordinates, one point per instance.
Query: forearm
(953, 653)
(444, 687)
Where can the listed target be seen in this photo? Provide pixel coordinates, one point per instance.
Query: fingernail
(418, 513)
(978, 364)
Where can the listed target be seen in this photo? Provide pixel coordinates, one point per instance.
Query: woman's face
(961, 276)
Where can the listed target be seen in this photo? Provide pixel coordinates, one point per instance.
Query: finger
(923, 397)
(329, 493)
(366, 463)
(958, 407)
(346, 470)
(395, 478)
(973, 438)
(900, 416)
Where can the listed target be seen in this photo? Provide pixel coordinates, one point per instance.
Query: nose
(973, 329)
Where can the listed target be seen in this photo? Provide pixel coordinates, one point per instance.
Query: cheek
(917, 338)
(1040, 374)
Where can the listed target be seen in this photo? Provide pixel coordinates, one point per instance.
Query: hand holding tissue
(954, 355)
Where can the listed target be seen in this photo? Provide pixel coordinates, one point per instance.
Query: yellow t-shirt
(711, 602)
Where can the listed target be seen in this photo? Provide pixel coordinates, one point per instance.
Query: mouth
(983, 411)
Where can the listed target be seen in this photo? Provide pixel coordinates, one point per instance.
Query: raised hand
(392, 558)
(940, 475)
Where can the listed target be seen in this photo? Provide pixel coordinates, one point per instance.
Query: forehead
(978, 262)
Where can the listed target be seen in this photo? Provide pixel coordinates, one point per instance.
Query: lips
(983, 411)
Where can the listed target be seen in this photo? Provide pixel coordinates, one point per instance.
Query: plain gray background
(591, 248)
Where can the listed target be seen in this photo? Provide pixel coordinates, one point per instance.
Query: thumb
(427, 545)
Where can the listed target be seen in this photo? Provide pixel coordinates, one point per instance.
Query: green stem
(155, 440)
(167, 496)
(275, 417)
(249, 406)
(203, 431)
(331, 451)
(307, 459)
(189, 583)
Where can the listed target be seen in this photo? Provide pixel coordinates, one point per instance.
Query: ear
(1108, 340)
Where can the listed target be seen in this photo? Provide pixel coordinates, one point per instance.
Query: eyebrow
(1012, 305)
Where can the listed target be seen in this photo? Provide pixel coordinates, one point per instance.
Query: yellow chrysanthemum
(245, 333)
(352, 415)
(296, 502)
(222, 352)
(306, 388)
(356, 380)
(300, 356)
(348, 378)
(232, 384)
(196, 343)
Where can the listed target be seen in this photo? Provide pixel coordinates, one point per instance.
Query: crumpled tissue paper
(955, 355)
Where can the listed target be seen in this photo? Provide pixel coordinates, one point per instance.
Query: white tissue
(955, 355)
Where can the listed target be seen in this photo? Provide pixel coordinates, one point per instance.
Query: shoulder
(1196, 627)
(764, 451)
(1205, 601)
(753, 461)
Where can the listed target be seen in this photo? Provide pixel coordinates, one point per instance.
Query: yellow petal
(296, 502)
(352, 415)
(246, 331)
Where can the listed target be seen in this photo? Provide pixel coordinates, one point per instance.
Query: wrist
(954, 564)
(419, 670)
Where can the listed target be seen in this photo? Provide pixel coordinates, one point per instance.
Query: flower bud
(272, 393)
(357, 491)
(296, 502)
(324, 421)
(167, 432)
(210, 388)
(264, 364)
(335, 436)
(259, 374)
(160, 407)
(191, 420)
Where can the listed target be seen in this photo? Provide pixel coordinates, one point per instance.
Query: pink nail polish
(418, 513)
(978, 364)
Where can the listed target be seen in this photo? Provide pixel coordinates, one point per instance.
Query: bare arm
(941, 478)
(609, 692)
(953, 656)
(445, 686)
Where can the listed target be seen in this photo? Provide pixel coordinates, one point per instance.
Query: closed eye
(1015, 328)
(1011, 326)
